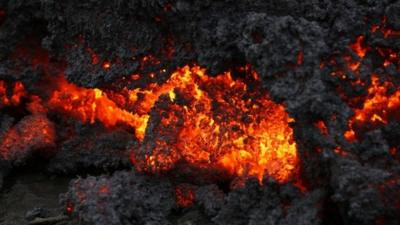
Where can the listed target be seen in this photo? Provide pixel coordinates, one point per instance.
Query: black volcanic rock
(215, 34)
(93, 148)
(128, 198)
(295, 46)
(393, 15)
(270, 204)
(123, 198)
(360, 189)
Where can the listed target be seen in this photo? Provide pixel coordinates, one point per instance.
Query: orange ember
(393, 151)
(3, 94)
(106, 65)
(69, 207)
(300, 57)
(391, 57)
(18, 92)
(358, 47)
(322, 127)
(32, 132)
(104, 189)
(185, 195)
(353, 64)
(13, 98)
(340, 152)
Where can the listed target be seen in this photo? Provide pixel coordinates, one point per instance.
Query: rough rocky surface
(93, 149)
(285, 41)
(124, 198)
(128, 198)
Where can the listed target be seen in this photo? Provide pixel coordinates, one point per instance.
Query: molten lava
(219, 122)
(222, 124)
(379, 107)
(90, 105)
(381, 103)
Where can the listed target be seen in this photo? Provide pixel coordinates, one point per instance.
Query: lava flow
(90, 105)
(218, 122)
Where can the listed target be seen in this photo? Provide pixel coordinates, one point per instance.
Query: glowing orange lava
(379, 107)
(381, 104)
(222, 123)
(90, 105)
(358, 47)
